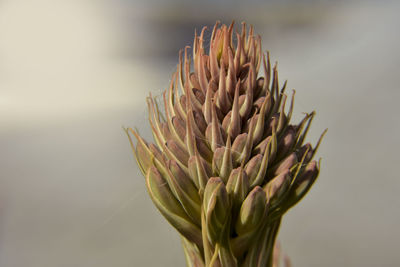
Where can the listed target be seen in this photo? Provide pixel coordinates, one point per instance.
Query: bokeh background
(73, 72)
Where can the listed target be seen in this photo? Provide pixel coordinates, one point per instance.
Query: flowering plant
(227, 163)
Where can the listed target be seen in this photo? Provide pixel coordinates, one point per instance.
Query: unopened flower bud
(216, 207)
(286, 163)
(286, 143)
(170, 207)
(252, 211)
(277, 187)
(303, 183)
(238, 186)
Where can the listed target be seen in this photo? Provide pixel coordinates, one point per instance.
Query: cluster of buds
(226, 164)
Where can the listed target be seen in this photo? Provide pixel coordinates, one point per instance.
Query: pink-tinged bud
(226, 121)
(259, 128)
(222, 162)
(184, 182)
(252, 211)
(166, 132)
(214, 131)
(238, 186)
(260, 148)
(179, 127)
(170, 207)
(271, 124)
(181, 155)
(249, 86)
(253, 166)
(180, 108)
(242, 98)
(307, 148)
(306, 178)
(182, 188)
(286, 143)
(258, 89)
(199, 96)
(156, 152)
(200, 121)
(216, 207)
(259, 102)
(302, 183)
(235, 120)
(143, 156)
(238, 146)
(203, 149)
(199, 171)
(287, 163)
(277, 187)
(224, 101)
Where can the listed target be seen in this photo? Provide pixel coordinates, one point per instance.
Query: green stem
(206, 244)
(193, 255)
(215, 256)
(272, 234)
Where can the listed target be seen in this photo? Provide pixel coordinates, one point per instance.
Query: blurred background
(73, 72)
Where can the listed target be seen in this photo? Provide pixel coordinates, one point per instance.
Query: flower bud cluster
(226, 163)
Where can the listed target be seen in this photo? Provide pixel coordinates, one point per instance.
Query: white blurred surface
(70, 192)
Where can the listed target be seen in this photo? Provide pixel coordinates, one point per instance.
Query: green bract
(227, 163)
